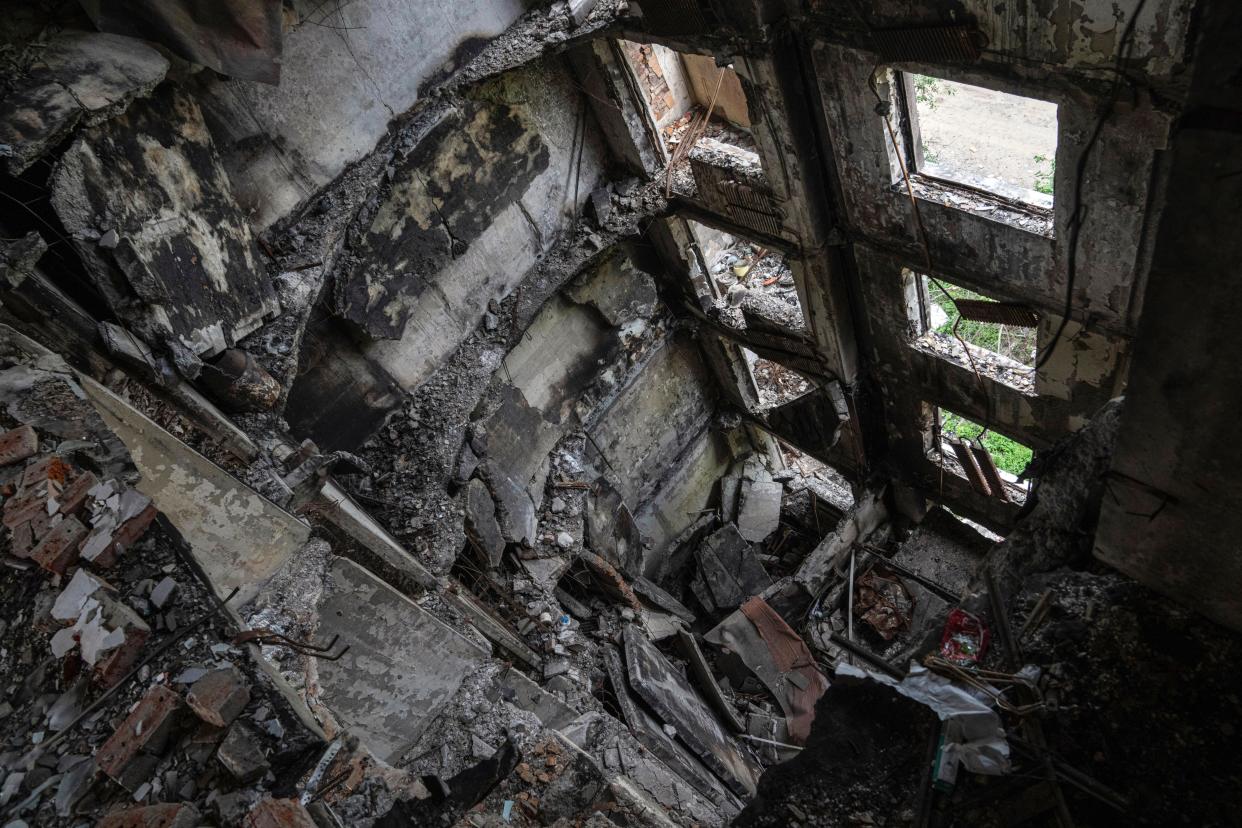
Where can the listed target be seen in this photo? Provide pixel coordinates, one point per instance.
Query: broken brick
(279, 813)
(51, 469)
(28, 504)
(166, 815)
(59, 548)
(23, 541)
(18, 444)
(219, 696)
(125, 536)
(112, 667)
(74, 495)
(144, 731)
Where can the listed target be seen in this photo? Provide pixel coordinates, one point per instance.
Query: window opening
(677, 89)
(945, 315)
(1009, 457)
(1003, 143)
(749, 280)
(777, 384)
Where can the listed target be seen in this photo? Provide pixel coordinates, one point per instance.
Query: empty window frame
(677, 89)
(994, 141)
(776, 384)
(1009, 457)
(743, 272)
(1000, 336)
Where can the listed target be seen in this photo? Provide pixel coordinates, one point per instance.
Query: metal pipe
(770, 742)
(849, 611)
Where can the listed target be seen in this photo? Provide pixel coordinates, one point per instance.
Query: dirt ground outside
(985, 138)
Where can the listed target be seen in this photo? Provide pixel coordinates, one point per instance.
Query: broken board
(676, 702)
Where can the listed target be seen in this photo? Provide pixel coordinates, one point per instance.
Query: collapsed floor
(510, 440)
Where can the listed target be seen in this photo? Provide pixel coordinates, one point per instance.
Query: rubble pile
(126, 697)
(395, 430)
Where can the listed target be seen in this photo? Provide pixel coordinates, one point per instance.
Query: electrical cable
(1078, 214)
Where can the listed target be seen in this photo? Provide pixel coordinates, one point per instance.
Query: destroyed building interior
(603, 413)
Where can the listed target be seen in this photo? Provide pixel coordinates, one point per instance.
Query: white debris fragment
(72, 599)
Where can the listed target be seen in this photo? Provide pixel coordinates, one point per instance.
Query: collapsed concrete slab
(80, 77)
(238, 537)
(150, 209)
(402, 665)
(469, 167)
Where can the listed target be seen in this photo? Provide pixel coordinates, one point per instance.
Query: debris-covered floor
(530, 414)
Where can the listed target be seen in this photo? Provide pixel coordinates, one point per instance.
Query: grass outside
(1008, 454)
(1015, 343)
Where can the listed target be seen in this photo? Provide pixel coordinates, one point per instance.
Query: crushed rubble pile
(127, 698)
(403, 422)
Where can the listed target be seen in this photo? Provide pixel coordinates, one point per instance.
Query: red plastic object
(965, 638)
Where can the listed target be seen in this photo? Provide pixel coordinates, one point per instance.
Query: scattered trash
(965, 639)
(884, 602)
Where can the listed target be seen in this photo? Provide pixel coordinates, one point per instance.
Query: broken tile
(73, 597)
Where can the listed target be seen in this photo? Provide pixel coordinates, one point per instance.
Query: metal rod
(849, 612)
(783, 745)
(866, 656)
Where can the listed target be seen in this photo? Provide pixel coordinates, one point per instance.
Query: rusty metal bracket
(272, 638)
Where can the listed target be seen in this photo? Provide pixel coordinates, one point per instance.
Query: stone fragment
(481, 521)
(142, 735)
(601, 206)
(218, 697)
(163, 592)
(18, 444)
(760, 512)
(241, 755)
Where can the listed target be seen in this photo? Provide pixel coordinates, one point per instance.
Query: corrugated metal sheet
(747, 205)
(962, 43)
(673, 17)
(1002, 313)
